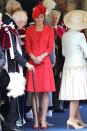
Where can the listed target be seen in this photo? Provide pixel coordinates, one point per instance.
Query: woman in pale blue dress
(74, 79)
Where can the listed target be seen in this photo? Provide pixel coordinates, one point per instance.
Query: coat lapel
(36, 34)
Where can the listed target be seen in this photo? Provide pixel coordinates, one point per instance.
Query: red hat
(38, 10)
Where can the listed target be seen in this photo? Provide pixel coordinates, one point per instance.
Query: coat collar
(42, 32)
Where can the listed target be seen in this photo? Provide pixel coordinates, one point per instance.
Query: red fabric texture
(4, 36)
(38, 44)
(59, 31)
(4, 39)
(22, 31)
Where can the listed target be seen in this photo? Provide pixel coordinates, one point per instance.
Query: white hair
(20, 15)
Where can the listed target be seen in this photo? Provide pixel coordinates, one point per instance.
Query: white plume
(49, 4)
(16, 86)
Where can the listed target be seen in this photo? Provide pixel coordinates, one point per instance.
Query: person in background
(54, 21)
(20, 18)
(39, 48)
(14, 63)
(28, 6)
(74, 78)
(2, 85)
(11, 7)
(2, 63)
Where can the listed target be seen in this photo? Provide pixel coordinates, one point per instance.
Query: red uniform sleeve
(60, 31)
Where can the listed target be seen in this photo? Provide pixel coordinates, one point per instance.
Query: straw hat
(76, 19)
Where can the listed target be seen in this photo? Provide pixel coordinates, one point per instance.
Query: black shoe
(11, 128)
(16, 128)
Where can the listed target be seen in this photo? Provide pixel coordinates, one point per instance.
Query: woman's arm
(83, 44)
(18, 57)
(28, 48)
(49, 46)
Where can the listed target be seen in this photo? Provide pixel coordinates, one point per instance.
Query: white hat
(76, 19)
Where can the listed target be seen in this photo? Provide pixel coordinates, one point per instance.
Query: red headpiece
(39, 9)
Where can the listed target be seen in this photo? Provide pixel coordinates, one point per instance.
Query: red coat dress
(38, 42)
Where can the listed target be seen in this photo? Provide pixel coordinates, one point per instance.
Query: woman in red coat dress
(39, 45)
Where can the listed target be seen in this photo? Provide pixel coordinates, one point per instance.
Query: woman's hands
(34, 59)
(38, 59)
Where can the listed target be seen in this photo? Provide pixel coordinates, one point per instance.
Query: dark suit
(2, 59)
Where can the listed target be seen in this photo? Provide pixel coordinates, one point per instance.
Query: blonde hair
(12, 6)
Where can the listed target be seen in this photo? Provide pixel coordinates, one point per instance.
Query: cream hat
(76, 19)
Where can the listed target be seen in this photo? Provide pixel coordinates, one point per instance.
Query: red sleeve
(51, 41)
(60, 31)
(27, 42)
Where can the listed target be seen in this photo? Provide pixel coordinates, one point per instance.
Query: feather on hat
(49, 4)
